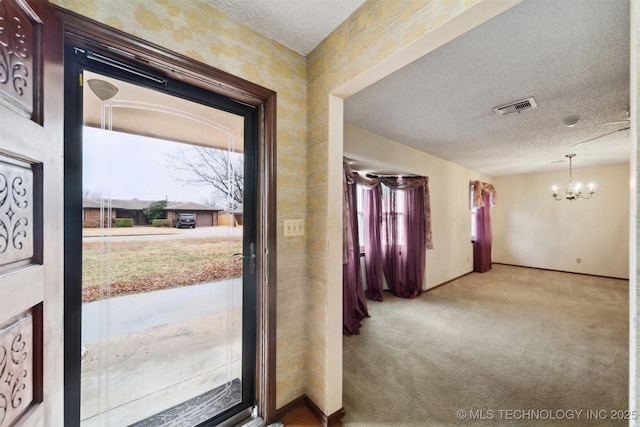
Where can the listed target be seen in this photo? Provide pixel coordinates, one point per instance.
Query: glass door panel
(163, 253)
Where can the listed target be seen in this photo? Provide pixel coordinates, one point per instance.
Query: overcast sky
(125, 166)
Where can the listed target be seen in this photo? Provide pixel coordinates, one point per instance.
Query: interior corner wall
(199, 31)
(452, 255)
(532, 229)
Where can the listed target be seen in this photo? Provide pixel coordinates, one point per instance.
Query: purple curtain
(415, 238)
(354, 303)
(372, 218)
(403, 232)
(482, 244)
(404, 248)
(392, 246)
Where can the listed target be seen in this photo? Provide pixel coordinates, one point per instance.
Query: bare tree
(210, 200)
(91, 194)
(210, 167)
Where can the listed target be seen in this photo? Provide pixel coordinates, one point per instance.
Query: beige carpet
(510, 347)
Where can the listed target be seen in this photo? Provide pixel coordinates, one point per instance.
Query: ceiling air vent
(516, 107)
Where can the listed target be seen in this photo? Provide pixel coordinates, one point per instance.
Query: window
(393, 205)
(360, 203)
(473, 214)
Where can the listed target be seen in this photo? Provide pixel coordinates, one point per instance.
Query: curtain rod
(370, 175)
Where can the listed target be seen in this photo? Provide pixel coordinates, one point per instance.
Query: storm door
(163, 260)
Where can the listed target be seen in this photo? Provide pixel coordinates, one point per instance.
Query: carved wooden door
(31, 214)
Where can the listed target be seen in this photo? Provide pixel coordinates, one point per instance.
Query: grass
(140, 266)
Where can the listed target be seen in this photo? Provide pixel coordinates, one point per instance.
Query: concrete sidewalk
(130, 313)
(163, 348)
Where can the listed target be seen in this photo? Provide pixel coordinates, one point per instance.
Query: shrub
(161, 223)
(123, 222)
(155, 209)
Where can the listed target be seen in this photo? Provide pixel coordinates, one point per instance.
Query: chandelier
(573, 190)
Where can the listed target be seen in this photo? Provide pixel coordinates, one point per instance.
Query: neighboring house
(233, 217)
(205, 215)
(91, 213)
(133, 208)
(237, 213)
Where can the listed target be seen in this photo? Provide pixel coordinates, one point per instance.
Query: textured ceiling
(299, 25)
(572, 56)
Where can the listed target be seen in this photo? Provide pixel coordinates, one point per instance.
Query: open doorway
(451, 240)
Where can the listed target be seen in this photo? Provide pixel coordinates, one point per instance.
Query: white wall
(532, 229)
(452, 255)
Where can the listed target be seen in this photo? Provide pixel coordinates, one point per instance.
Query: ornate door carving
(31, 214)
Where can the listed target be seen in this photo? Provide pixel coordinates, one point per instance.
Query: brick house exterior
(91, 213)
(205, 215)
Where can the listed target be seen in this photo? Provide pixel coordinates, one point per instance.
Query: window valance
(480, 188)
(398, 183)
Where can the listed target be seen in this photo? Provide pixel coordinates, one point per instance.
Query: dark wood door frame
(86, 33)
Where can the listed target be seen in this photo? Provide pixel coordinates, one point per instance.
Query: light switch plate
(294, 227)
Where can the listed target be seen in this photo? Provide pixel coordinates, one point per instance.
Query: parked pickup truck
(185, 220)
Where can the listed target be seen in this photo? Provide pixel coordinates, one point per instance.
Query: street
(119, 234)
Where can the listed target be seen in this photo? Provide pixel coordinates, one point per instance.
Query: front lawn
(140, 266)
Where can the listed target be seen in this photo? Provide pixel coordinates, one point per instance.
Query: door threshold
(197, 410)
